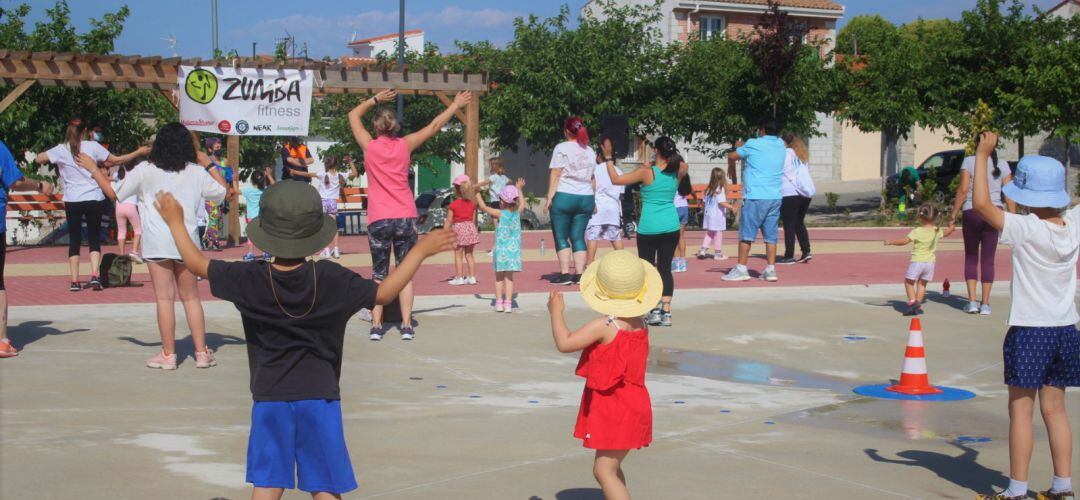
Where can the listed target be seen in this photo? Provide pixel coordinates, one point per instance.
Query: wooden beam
(16, 93)
(472, 139)
(447, 102)
(172, 98)
(232, 151)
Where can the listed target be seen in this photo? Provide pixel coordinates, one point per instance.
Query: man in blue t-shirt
(11, 179)
(762, 177)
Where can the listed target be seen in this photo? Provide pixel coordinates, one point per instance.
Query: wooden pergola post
(16, 93)
(232, 154)
(472, 140)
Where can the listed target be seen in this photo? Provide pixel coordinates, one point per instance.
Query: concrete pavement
(751, 390)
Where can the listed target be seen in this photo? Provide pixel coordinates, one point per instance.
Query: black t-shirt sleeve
(228, 280)
(360, 292)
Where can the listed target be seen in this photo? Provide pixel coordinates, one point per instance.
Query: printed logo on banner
(224, 126)
(241, 127)
(263, 128)
(201, 86)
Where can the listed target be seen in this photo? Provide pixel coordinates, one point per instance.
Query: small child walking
(507, 250)
(1042, 348)
(924, 240)
(606, 222)
(294, 313)
(616, 411)
(260, 181)
(714, 221)
(331, 185)
(461, 217)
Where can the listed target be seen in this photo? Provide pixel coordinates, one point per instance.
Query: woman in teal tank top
(658, 226)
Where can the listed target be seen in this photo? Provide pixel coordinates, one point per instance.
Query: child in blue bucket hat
(1042, 347)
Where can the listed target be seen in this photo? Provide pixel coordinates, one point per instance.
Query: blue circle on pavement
(973, 439)
(947, 394)
(854, 338)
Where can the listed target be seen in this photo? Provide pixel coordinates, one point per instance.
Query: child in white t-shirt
(1042, 347)
(714, 222)
(606, 221)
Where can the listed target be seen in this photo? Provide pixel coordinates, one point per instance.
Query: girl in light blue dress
(507, 254)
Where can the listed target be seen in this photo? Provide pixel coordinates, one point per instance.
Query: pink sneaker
(508, 306)
(498, 306)
(205, 359)
(163, 362)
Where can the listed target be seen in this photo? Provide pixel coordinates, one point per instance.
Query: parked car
(431, 209)
(946, 165)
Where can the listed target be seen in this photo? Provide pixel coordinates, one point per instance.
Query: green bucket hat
(291, 223)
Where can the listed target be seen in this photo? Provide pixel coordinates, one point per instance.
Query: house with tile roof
(370, 48)
(1067, 8)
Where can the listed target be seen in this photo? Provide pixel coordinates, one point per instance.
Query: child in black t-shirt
(294, 313)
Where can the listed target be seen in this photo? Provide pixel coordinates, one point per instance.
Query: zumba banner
(245, 101)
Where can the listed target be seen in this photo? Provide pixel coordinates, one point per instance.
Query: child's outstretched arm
(434, 243)
(484, 206)
(980, 198)
(521, 194)
(565, 340)
(897, 243)
(173, 214)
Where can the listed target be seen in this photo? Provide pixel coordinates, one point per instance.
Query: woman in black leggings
(84, 202)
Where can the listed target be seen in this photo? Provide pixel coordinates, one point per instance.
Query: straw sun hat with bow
(621, 285)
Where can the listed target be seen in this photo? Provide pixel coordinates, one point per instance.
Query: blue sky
(326, 25)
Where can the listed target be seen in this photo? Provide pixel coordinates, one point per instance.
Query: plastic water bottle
(543, 248)
(945, 288)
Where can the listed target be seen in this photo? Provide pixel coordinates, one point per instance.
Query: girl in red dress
(616, 412)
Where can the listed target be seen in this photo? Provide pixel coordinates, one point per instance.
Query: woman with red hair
(571, 199)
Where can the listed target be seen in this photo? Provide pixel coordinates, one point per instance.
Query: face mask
(96, 136)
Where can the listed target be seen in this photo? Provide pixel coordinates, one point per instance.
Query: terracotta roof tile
(385, 37)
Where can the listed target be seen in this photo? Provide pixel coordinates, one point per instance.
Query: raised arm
(416, 139)
(120, 160)
(484, 206)
(173, 215)
(98, 174)
(360, 133)
(434, 243)
(981, 196)
(643, 175)
(565, 340)
(521, 194)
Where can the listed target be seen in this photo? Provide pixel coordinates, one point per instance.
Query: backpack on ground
(115, 270)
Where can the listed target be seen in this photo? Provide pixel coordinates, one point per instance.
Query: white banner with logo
(245, 101)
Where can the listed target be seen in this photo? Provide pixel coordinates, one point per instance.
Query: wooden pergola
(23, 69)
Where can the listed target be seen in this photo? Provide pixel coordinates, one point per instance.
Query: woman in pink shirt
(391, 208)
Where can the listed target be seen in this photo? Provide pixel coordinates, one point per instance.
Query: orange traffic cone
(914, 380)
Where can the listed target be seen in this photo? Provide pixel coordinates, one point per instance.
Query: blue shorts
(759, 215)
(684, 215)
(299, 439)
(1036, 356)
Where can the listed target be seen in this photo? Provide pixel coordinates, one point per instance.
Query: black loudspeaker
(617, 128)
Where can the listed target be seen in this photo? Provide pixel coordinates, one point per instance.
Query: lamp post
(214, 27)
(401, 58)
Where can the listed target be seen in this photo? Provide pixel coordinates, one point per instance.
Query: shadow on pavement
(576, 494)
(28, 332)
(953, 301)
(961, 470)
(186, 348)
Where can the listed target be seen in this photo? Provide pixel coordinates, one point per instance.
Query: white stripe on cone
(914, 366)
(915, 339)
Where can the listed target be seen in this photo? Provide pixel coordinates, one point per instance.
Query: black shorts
(384, 236)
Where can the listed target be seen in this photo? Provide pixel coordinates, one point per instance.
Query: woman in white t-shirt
(83, 200)
(571, 199)
(171, 167)
(606, 222)
(980, 239)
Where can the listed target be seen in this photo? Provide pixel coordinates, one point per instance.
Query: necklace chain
(314, 294)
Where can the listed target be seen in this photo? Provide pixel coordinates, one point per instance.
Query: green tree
(609, 64)
(36, 121)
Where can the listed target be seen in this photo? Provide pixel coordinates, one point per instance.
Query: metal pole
(401, 59)
(253, 53)
(214, 27)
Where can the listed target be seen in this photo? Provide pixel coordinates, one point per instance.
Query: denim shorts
(920, 271)
(1038, 356)
(759, 215)
(302, 440)
(386, 236)
(684, 215)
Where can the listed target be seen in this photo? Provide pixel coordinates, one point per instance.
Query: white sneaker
(737, 274)
(471, 280)
(498, 306)
(972, 308)
(770, 275)
(985, 310)
(325, 254)
(136, 257)
(457, 281)
(336, 253)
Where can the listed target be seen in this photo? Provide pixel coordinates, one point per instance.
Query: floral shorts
(387, 236)
(467, 234)
(329, 207)
(603, 232)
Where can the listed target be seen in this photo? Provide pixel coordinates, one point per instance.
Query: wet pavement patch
(733, 369)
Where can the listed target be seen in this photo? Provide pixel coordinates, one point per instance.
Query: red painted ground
(826, 269)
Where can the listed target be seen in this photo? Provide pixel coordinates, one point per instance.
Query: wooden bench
(51, 206)
(355, 199)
